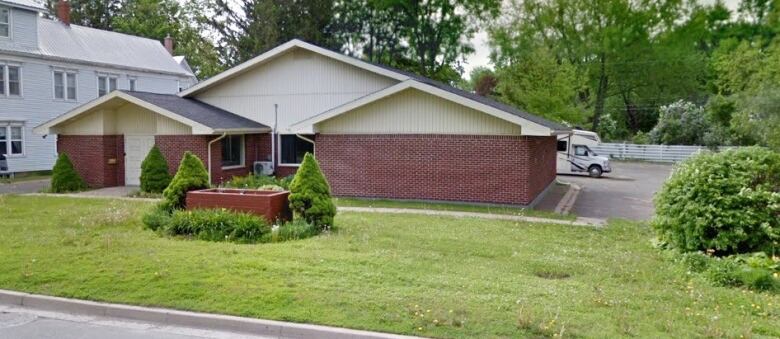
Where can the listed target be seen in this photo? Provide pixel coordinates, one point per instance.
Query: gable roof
(202, 117)
(32, 5)
(482, 102)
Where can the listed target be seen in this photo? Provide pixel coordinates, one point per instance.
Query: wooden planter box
(272, 205)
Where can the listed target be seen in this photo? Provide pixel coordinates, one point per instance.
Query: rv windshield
(582, 150)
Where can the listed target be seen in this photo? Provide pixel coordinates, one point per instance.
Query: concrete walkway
(586, 222)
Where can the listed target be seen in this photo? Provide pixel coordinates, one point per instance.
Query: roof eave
(92, 63)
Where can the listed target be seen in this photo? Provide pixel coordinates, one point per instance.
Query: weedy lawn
(421, 275)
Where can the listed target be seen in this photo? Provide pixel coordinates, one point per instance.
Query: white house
(48, 67)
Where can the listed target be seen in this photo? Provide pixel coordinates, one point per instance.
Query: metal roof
(97, 46)
(29, 4)
(198, 111)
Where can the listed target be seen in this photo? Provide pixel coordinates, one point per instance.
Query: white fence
(660, 153)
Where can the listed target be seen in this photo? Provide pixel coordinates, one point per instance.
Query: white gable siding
(37, 104)
(302, 83)
(414, 112)
(24, 31)
(125, 120)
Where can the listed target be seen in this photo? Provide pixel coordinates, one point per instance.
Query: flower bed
(272, 205)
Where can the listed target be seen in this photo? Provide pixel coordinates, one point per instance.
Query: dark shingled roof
(198, 111)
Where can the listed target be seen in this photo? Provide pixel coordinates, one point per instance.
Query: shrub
(727, 202)
(64, 177)
(154, 172)
(310, 194)
(157, 219)
(258, 181)
(191, 176)
(680, 123)
(695, 261)
(723, 272)
(218, 225)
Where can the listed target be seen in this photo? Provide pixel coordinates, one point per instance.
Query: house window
(132, 84)
(233, 151)
(294, 148)
(5, 22)
(106, 84)
(64, 85)
(11, 140)
(10, 80)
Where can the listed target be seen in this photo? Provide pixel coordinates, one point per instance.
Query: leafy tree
(539, 83)
(154, 172)
(192, 175)
(310, 194)
(91, 13)
(64, 177)
(680, 123)
(483, 81)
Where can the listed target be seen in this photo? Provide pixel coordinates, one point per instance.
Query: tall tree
(247, 28)
(91, 13)
(427, 37)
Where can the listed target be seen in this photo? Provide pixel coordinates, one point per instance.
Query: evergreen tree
(310, 194)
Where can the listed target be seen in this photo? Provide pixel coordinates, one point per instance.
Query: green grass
(443, 206)
(422, 275)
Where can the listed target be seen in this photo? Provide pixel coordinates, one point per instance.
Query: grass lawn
(422, 275)
(443, 206)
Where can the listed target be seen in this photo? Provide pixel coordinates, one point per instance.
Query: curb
(278, 329)
(567, 202)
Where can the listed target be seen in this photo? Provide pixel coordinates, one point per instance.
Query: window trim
(108, 77)
(132, 83)
(279, 151)
(7, 80)
(7, 125)
(242, 164)
(10, 24)
(65, 92)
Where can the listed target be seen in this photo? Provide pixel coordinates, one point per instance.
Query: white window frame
(132, 83)
(7, 125)
(7, 77)
(243, 153)
(65, 91)
(10, 23)
(108, 77)
(279, 151)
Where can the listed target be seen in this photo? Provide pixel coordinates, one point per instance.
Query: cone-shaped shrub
(310, 194)
(191, 176)
(64, 177)
(154, 172)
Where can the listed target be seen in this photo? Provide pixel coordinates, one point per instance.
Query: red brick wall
(90, 155)
(490, 169)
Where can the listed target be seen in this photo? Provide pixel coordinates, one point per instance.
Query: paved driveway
(627, 192)
(33, 186)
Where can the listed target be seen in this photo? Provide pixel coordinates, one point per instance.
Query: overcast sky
(482, 55)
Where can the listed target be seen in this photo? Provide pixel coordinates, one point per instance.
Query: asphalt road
(23, 323)
(627, 192)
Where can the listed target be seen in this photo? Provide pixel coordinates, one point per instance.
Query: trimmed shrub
(157, 219)
(218, 225)
(192, 175)
(154, 172)
(310, 194)
(728, 202)
(64, 177)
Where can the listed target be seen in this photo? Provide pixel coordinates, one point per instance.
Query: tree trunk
(601, 92)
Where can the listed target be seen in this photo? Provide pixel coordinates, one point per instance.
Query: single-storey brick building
(377, 132)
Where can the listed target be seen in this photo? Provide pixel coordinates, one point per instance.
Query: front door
(136, 149)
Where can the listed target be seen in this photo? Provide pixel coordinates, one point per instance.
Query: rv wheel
(595, 171)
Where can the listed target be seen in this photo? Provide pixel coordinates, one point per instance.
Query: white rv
(576, 156)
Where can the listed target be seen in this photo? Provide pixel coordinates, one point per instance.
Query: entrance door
(136, 149)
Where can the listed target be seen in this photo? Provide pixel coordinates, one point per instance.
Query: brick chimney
(168, 43)
(63, 11)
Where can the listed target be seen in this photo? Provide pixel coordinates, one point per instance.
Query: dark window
(562, 145)
(233, 150)
(3, 140)
(294, 148)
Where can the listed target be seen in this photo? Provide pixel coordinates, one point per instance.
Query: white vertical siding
(24, 31)
(125, 120)
(301, 82)
(414, 112)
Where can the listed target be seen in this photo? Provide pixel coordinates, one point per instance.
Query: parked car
(575, 155)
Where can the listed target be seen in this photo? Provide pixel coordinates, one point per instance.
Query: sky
(481, 57)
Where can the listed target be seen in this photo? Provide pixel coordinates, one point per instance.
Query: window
(294, 148)
(233, 151)
(583, 151)
(11, 140)
(64, 85)
(106, 84)
(5, 22)
(562, 144)
(132, 84)
(10, 80)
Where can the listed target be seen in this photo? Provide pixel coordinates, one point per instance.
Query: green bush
(157, 219)
(192, 175)
(293, 230)
(64, 177)
(218, 225)
(154, 172)
(723, 272)
(258, 181)
(728, 202)
(310, 194)
(695, 261)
